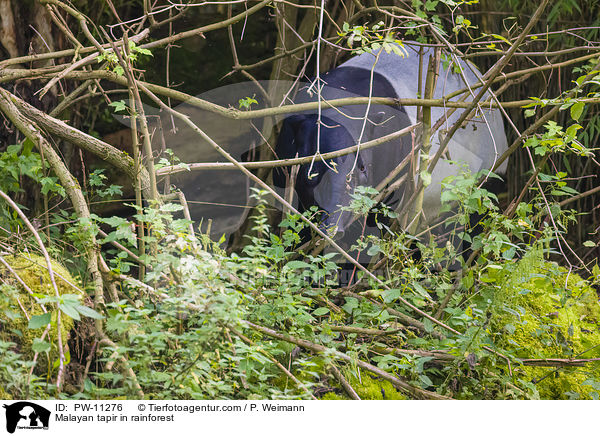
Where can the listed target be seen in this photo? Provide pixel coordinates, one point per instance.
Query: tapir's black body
(341, 128)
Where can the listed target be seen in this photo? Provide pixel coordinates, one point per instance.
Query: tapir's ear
(287, 146)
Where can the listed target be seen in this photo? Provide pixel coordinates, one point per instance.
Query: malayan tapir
(477, 144)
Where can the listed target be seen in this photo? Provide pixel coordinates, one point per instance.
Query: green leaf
(590, 244)
(40, 346)
(38, 321)
(390, 295)
(171, 207)
(69, 310)
(88, 311)
(577, 110)
(321, 311)
(119, 105)
(297, 264)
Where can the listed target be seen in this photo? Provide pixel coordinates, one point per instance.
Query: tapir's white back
(477, 144)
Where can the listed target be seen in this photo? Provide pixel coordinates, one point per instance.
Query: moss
(368, 388)
(16, 304)
(543, 312)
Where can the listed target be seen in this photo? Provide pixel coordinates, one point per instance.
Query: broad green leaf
(40, 346)
(321, 311)
(88, 311)
(69, 310)
(38, 321)
(577, 110)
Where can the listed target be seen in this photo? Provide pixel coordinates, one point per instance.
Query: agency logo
(27, 416)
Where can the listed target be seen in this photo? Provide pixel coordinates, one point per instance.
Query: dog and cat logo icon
(26, 415)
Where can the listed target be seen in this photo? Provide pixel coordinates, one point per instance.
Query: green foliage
(363, 39)
(20, 165)
(112, 61)
(247, 102)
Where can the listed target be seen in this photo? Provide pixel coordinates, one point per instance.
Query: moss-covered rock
(544, 312)
(17, 305)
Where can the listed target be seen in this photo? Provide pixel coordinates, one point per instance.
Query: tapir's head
(326, 184)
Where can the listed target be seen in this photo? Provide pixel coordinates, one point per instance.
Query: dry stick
(88, 363)
(558, 362)
(123, 248)
(236, 62)
(137, 185)
(436, 355)
(69, 99)
(282, 368)
(283, 54)
(110, 284)
(512, 207)
(79, 17)
(430, 85)
(132, 84)
(528, 71)
(363, 331)
(80, 63)
(186, 214)
(532, 53)
(135, 102)
(10, 75)
(397, 382)
(342, 381)
(265, 186)
(75, 65)
(62, 25)
(174, 169)
(579, 196)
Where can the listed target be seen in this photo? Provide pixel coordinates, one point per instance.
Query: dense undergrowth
(272, 322)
